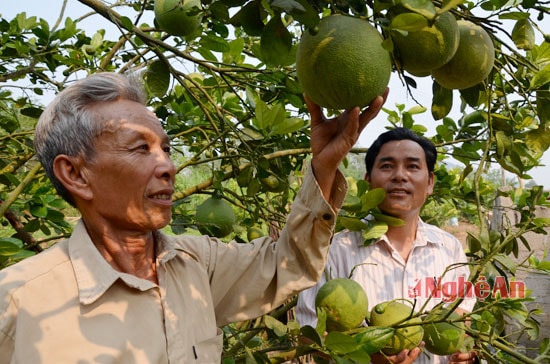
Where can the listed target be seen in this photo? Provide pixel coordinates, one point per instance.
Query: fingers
(374, 108)
(464, 358)
(314, 111)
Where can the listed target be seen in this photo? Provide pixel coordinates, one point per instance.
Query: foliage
(229, 98)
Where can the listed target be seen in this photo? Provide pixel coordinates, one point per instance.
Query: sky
(50, 9)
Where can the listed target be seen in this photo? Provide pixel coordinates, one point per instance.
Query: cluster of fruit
(346, 63)
(346, 306)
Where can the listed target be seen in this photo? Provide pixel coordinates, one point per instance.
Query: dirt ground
(461, 231)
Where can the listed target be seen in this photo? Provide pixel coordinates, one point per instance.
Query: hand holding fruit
(404, 357)
(463, 358)
(332, 139)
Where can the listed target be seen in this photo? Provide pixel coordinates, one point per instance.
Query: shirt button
(327, 217)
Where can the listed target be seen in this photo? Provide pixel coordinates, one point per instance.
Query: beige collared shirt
(67, 305)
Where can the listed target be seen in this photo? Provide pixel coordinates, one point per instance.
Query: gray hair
(67, 125)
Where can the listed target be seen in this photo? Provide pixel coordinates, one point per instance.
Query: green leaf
(276, 43)
(417, 109)
(39, 211)
(472, 95)
(372, 199)
(390, 220)
(504, 144)
(340, 343)
(321, 326)
(97, 40)
(250, 18)
(219, 11)
(352, 223)
(408, 22)
(373, 339)
(157, 79)
(277, 326)
(10, 246)
(305, 14)
(523, 34)
(540, 78)
(543, 106)
(215, 43)
(449, 5)
(25, 23)
(442, 101)
(267, 117)
(127, 22)
(288, 125)
(352, 203)
(312, 334)
(423, 7)
(375, 231)
(514, 15)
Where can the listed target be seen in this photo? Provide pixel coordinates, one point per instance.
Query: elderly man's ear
(70, 171)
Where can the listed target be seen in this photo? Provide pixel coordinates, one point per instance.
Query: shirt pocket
(210, 350)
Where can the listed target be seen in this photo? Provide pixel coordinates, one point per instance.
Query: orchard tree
(226, 91)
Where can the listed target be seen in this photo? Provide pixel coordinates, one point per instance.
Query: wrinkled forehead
(128, 115)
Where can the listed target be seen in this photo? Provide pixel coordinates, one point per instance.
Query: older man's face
(132, 175)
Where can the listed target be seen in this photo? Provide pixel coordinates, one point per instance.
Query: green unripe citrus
(472, 61)
(178, 17)
(345, 303)
(254, 232)
(443, 338)
(428, 48)
(344, 64)
(215, 217)
(272, 183)
(394, 313)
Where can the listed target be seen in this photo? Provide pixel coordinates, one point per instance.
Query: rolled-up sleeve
(248, 280)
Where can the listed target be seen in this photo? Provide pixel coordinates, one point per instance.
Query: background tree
(228, 96)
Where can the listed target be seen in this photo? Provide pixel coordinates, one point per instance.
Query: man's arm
(332, 139)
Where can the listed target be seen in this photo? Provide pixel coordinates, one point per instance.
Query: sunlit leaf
(158, 78)
(442, 101)
(276, 42)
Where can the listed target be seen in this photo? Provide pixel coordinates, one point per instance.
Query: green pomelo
(472, 61)
(254, 232)
(428, 48)
(443, 338)
(215, 217)
(394, 313)
(344, 301)
(344, 65)
(178, 17)
(272, 183)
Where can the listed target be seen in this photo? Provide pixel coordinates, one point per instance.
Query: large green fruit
(178, 17)
(395, 313)
(345, 303)
(215, 217)
(443, 338)
(472, 61)
(428, 48)
(273, 183)
(344, 64)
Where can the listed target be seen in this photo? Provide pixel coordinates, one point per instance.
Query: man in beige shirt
(119, 290)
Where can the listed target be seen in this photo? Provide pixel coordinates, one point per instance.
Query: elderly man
(119, 290)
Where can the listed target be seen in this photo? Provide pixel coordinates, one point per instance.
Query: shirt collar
(94, 276)
(423, 236)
